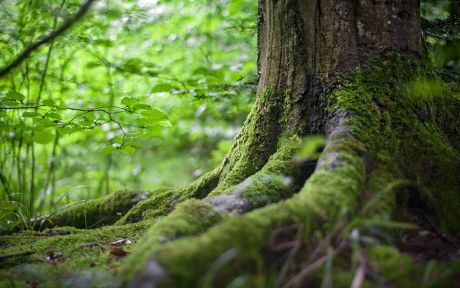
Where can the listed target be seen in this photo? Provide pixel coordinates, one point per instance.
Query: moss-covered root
(163, 201)
(188, 218)
(280, 177)
(97, 212)
(235, 244)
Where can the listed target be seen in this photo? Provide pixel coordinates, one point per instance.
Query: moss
(400, 137)
(380, 118)
(409, 129)
(394, 266)
(186, 259)
(163, 201)
(96, 212)
(81, 255)
(400, 270)
(188, 218)
(257, 141)
(158, 204)
(278, 179)
(287, 106)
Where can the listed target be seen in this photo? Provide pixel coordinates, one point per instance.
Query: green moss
(82, 255)
(278, 179)
(403, 135)
(398, 134)
(189, 263)
(96, 212)
(287, 106)
(188, 218)
(400, 270)
(162, 201)
(159, 204)
(257, 141)
(394, 266)
(409, 129)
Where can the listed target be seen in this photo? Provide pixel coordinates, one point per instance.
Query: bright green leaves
(134, 104)
(11, 99)
(162, 87)
(154, 115)
(115, 84)
(30, 114)
(48, 102)
(42, 136)
(127, 148)
(129, 101)
(54, 115)
(13, 95)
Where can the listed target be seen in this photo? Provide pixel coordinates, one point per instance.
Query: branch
(447, 29)
(54, 34)
(27, 253)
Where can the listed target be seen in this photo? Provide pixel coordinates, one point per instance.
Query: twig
(51, 36)
(27, 253)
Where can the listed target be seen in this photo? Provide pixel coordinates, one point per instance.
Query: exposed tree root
(95, 213)
(343, 177)
(336, 184)
(163, 201)
(389, 155)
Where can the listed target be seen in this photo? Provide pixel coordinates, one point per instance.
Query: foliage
(168, 81)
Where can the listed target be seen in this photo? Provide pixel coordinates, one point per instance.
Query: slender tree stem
(50, 37)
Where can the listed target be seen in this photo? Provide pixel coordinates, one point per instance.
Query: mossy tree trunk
(304, 47)
(197, 235)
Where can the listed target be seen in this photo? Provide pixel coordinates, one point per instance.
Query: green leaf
(54, 115)
(93, 64)
(43, 137)
(133, 65)
(162, 87)
(30, 114)
(108, 149)
(142, 107)
(133, 144)
(118, 140)
(13, 95)
(142, 122)
(128, 101)
(103, 42)
(154, 115)
(201, 71)
(43, 122)
(165, 123)
(128, 150)
(48, 102)
(311, 147)
(154, 130)
(85, 122)
(90, 116)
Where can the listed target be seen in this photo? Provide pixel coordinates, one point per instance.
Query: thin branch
(27, 253)
(51, 36)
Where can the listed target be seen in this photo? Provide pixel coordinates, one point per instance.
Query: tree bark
(305, 45)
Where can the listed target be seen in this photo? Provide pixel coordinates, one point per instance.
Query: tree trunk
(305, 45)
(340, 68)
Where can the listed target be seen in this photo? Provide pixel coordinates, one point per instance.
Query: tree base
(390, 166)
